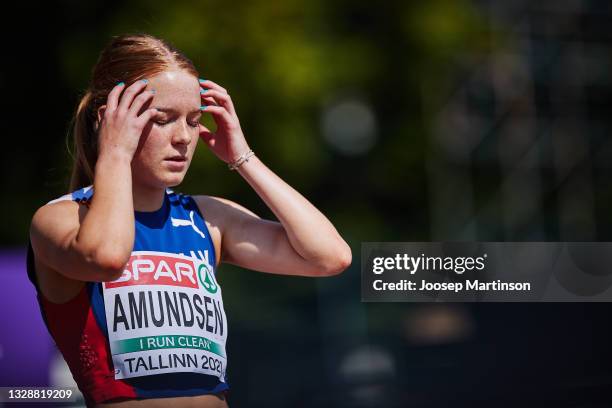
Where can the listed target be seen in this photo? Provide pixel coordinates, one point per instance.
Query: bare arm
(95, 245)
(304, 242)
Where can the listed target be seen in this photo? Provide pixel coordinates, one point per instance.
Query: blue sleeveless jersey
(160, 329)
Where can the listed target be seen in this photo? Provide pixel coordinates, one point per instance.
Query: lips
(177, 158)
(176, 163)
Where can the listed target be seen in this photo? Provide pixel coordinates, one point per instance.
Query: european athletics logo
(207, 279)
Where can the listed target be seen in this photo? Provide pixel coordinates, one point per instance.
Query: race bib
(165, 315)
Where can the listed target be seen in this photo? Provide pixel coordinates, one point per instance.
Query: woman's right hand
(121, 123)
(95, 244)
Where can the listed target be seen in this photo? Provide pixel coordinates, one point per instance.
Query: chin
(174, 181)
(159, 177)
(168, 180)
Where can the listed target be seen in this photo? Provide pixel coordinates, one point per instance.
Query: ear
(100, 114)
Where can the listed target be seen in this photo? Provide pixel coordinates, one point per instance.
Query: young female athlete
(125, 268)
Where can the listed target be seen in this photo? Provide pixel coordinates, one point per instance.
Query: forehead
(176, 89)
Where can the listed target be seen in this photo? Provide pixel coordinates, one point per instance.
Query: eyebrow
(170, 110)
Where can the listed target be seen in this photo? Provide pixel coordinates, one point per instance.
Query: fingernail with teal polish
(203, 107)
(202, 91)
(202, 80)
(145, 81)
(120, 83)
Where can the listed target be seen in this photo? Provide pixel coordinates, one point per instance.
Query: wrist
(113, 163)
(113, 157)
(246, 168)
(240, 160)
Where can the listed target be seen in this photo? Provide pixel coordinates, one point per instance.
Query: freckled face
(168, 141)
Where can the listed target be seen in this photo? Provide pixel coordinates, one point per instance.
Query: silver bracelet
(239, 161)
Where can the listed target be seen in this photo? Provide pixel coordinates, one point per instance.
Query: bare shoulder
(211, 210)
(220, 209)
(219, 214)
(52, 222)
(52, 227)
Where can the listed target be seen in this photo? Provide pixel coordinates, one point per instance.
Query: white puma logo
(177, 222)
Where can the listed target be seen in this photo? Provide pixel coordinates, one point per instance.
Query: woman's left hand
(228, 142)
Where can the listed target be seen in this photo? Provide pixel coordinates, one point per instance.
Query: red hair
(126, 58)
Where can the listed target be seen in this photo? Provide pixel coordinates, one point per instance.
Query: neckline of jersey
(153, 217)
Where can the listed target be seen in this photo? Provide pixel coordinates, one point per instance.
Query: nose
(182, 135)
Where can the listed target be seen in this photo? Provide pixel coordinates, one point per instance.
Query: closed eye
(165, 122)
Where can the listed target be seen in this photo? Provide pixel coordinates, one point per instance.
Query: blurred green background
(402, 121)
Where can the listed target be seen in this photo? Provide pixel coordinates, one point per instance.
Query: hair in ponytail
(85, 145)
(126, 58)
